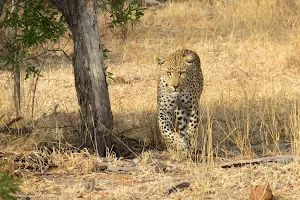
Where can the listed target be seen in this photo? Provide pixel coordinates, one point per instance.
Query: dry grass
(250, 60)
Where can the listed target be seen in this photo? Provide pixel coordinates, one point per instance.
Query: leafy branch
(8, 186)
(123, 12)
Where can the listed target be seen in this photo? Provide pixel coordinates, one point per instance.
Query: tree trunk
(16, 66)
(90, 77)
(17, 83)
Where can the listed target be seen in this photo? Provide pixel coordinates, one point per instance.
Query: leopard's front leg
(172, 139)
(193, 126)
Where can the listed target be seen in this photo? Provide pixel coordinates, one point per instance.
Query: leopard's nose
(175, 86)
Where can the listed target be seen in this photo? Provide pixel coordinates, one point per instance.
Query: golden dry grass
(250, 58)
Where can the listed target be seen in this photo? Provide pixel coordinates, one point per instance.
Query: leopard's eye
(189, 61)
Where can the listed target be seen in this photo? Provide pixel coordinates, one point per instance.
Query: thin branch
(46, 50)
(6, 126)
(57, 50)
(35, 56)
(35, 85)
(13, 121)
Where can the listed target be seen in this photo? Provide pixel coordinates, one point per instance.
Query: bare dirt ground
(250, 58)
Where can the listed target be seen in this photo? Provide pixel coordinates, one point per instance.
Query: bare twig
(175, 188)
(35, 85)
(13, 121)
(23, 129)
(46, 50)
(6, 125)
(2, 116)
(57, 50)
(276, 159)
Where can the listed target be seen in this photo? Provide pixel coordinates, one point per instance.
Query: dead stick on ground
(13, 121)
(175, 188)
(8, 124)
(276, 159)
(22, 129)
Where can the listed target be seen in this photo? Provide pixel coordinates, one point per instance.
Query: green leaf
(32, 71)
(109, 76)
(37, 23)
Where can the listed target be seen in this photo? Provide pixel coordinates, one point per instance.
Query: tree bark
(17, 83)
(16, 66)
(90, 76)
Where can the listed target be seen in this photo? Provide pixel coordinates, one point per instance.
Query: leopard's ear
(160, 60)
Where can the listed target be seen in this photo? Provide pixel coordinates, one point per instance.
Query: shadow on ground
(224, 131)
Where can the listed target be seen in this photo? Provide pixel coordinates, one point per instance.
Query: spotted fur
(180, 85)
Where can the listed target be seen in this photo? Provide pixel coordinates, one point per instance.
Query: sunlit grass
(250, 58)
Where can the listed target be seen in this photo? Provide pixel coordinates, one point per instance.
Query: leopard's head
(178, 69)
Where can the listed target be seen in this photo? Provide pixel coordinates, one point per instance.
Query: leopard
(179, 87)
